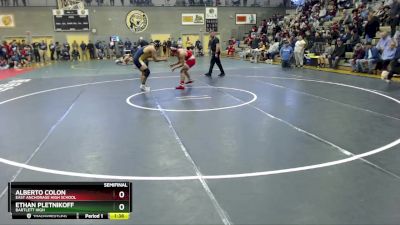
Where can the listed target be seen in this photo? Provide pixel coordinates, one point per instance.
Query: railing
(133, 3)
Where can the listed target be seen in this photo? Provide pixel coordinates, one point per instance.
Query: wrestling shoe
(144, 88)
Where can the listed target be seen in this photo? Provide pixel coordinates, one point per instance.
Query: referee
(215, 54)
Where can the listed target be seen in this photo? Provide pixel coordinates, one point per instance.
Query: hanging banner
(246, 19)
(192, 18)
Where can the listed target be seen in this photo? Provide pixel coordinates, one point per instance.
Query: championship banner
(246, 19)
(6, 21)
(192, 18)
(70, 4)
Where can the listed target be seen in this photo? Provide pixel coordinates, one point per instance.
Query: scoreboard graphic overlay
(70, 200)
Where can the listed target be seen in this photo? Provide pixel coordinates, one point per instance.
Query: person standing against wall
(84, 51)
(90, 47)
(52, 48)
(112, 2)
(75, 45)
(215, 55)
(122, 2)
(36, 52)
(169, 45)
(43, 50)
(299, 51)
(15, 3)
(164, 47)
(58, 50)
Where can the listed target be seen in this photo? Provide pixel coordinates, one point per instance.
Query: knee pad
(146, 72)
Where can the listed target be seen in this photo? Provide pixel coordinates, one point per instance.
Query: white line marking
(329, 100)
(80, 68)
(222, 214)
(342, 150)
(129, 100)
(192, 96)
(59, 121)
(199, 98)
(224, 176)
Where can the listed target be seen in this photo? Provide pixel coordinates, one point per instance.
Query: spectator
(272, 51)
(394, 16)
(286, 53)
(337, 54)
(84, 50)
(394, 66)
(128, 44)
(75, 45)
(384, 42)
(358, 54)
(370, 59)
(3, 63)
(67, 46)
(164, 47)
(122, 2)
(371, 27)
(355, 38)
(299, 51)
(52, 48)
(179, 42)
(88, 2)
(254, 48)
(169, 44)
(388, 55)
(323, 58)
(90, 47)
(112, 2)
(75, 54)
(36, 51)
(43, 50)
(58, 50)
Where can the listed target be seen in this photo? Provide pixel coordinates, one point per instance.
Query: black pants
(334, 61)
(37, 56)
(52, 54)
(112, 2)
(393, 24)
(91, 53)
(122, 2)
(394, 69)
(58, 53)
(213, 61)
(285, 63)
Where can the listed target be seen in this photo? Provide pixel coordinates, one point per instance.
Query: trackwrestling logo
(137, 21)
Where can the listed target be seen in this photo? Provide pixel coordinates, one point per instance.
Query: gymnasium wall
(111, 21)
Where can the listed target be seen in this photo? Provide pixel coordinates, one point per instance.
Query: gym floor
(261, 145)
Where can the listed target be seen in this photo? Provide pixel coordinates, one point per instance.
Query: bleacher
(344, 65)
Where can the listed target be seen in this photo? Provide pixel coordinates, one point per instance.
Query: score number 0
(121, 195)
